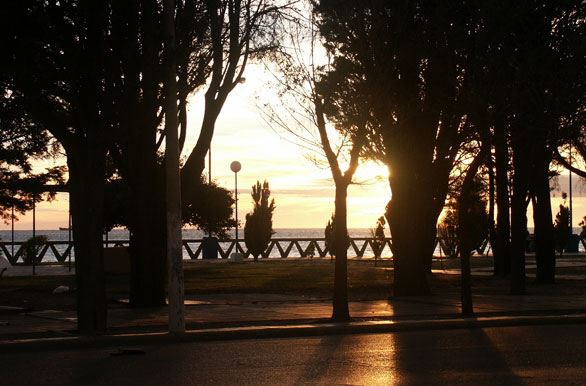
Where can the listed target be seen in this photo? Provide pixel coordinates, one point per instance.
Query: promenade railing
(62, 251)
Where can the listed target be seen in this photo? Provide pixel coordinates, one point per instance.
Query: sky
(303, 192)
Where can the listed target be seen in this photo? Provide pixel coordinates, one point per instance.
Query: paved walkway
(225, 314)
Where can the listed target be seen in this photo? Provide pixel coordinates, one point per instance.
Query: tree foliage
(238, 32)
(209, 208)
(55, 70)
(258, 228)
(22, 143)
(407, 62)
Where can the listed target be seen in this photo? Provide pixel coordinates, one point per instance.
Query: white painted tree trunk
(173, 185)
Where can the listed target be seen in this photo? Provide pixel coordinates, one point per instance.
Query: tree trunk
(407, 215)
(147, 218)
(147, 249)
(86, 189)
(544, 232)
(173, 182)
(340, 302)
(195, 164)
(419, 173)
(502, 247)
(491, 201)
(521, 167)
(464, 237)
(145, 176)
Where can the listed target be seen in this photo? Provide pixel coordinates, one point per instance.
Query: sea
(118, 236)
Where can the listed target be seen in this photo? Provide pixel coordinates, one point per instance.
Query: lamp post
(235, 167)
(34, 233)
(570, 189)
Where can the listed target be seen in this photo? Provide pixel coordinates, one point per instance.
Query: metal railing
(289, 247)
(62, 251)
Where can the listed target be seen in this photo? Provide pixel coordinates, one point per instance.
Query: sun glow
(371, 172)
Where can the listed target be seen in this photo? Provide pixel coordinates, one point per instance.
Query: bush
(476, 230)
(447, 233)
(209, 208)
(310, 250)
(31, 249)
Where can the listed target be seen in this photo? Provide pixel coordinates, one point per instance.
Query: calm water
(122, 234)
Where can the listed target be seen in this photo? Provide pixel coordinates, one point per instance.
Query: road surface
(527, 355)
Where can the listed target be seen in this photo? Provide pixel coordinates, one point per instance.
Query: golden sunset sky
(304, 193)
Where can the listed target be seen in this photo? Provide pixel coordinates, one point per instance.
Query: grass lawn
(302, 277)
(275, 275)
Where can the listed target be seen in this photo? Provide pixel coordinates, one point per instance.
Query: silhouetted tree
(22, 142)
(542, 95)
(172, 178)
(209, 208)
(239, 31)
(136, 42)
(54, 68)
(407, 62)
(472, 223)
(137, 75)
(258, 228)
(204, 33)
(315, 93)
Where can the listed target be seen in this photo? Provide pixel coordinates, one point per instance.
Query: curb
(291, 331)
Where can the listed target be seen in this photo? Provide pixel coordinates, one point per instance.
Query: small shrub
(329, 236)
(31, 249)
(310, 250)
(448, 236)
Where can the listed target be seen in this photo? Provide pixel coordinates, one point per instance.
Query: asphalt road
(526, 355)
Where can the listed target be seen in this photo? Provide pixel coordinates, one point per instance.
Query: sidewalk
(260, 315)
(229, 316)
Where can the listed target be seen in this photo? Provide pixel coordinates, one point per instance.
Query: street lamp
(235, 167)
